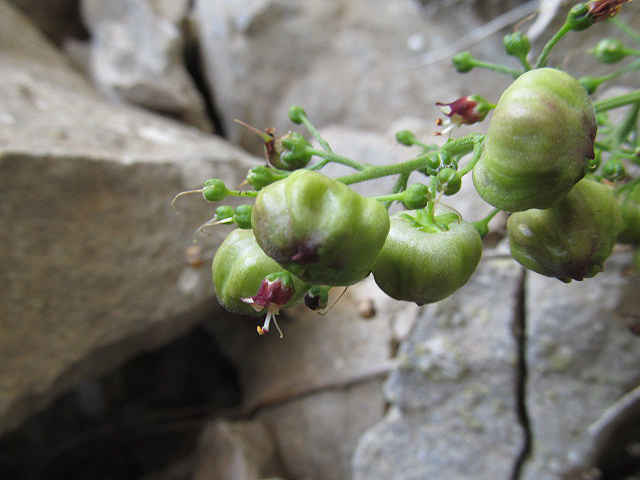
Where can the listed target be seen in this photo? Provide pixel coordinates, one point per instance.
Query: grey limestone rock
(92, 253)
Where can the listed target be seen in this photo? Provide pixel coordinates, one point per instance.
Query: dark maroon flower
(466, 110)
(276, 290)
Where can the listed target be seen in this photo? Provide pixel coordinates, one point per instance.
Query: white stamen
(267, 321)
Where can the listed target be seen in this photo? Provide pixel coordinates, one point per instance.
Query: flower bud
(317, 297)
(614, 170)
(590, 84)
(609, 50)
(294, 152)
(296, 114)
(214, 190)
(261, 176)
(449, 181)
(466, 110)
(223, 212)
(242, 216)
(463, 62)
(406, 137)
(517, 44)
(416, 196)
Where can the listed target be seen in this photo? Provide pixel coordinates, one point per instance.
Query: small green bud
(224, 211)
(296, 151)
(436, 161)
(214, 190)
(406, 137)
(242, 216)
(590, 84)
(463, 62)
(416, 196)
(261, 176)
(579, 17)
(517, 44)
(317, 297)
(609, 50)
(449, 181)
(614, 170)
(296, 114)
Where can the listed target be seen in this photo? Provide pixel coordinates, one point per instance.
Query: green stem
(331, 157)
(525, 63)
(477, 151)
(497, 68)
(626, 126)
(635, 65)
(627, 186)
(399, 187)
(316, 134)
(615, 102)
(483, 225)
(546, 50)
(459, 146)
(391, 197)
(622, 26)
(242, 193)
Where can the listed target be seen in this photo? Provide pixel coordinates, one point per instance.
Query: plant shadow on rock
(139, 419)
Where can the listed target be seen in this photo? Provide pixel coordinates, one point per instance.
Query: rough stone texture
(360, 63)
(452, 396)
(58, 19)
(92, 253)
(317, 389)
(235, 451)
(582, 358)
(137, 55)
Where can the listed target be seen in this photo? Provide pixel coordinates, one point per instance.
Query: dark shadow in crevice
(519, 328)
(193, 62)
(141, 418)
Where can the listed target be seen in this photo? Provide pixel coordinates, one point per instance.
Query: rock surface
(137, 55)
(581, 357)
(317, 389)
(453, 398)
(92, 252)
(235, 451)
(344, 61)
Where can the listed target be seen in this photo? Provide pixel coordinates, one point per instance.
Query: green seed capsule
(319, 229)
(630, 207)
(239, 267)
(570, 240)
(539, 143)
(426, 266)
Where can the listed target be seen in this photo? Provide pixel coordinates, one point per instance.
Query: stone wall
(109, 328)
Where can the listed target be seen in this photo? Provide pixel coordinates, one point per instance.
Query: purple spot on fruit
(305, 253)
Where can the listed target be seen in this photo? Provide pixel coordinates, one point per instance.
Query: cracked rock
(453, 396)
(582, 358)
(93, 254)
(137, 56)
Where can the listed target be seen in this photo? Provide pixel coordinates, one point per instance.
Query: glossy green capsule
(319, 229)
(239, 267)
(539, 142)
(630, 208)
(426, 266)
(570, 240)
